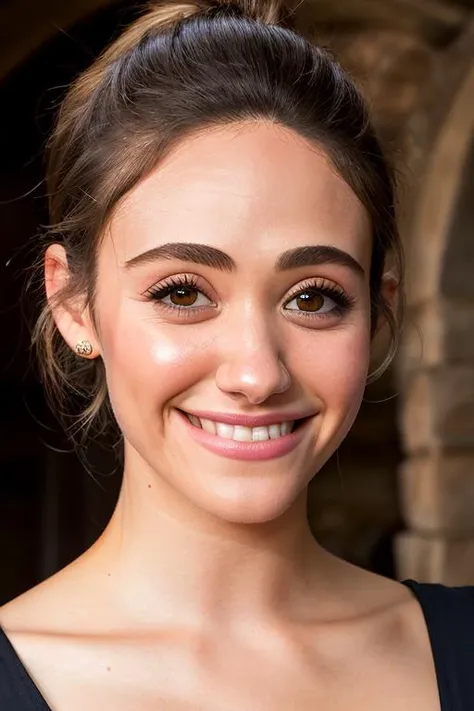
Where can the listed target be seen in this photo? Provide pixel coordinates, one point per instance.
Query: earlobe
(390, 289)
(68, 312)
(385, 336)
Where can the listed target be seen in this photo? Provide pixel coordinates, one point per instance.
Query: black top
(449, 616)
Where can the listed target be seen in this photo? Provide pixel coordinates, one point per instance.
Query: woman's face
(233, 282)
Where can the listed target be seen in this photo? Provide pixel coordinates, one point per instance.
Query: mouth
(240, 433)
(232, 440)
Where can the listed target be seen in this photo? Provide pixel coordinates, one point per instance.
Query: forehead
(245, 186)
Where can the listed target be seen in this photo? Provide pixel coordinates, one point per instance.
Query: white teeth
(208, 425)
(274, 431)
(223, 430)
(260, 434)
(242, 434)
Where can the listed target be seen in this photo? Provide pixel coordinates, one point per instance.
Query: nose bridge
(251, 355)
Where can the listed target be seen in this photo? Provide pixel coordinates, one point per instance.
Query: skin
(206, 590)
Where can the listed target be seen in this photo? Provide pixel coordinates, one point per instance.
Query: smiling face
(233, 281)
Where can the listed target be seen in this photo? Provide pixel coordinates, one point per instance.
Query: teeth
(260, 434)
(274, 431)
(194, 420)
(242, 434)
(226, 431)
(208, 425)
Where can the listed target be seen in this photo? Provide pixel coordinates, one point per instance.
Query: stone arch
(437, 369)
(437, 198)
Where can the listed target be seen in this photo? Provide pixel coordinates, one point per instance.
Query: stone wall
(436, 364)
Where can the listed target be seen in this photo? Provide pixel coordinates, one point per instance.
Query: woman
(222, 220)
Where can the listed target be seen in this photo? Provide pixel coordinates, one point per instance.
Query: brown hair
(182, 67)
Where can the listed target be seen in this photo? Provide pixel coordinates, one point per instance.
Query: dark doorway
(51, 509)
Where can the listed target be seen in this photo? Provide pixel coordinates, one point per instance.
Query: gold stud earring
(84, 348)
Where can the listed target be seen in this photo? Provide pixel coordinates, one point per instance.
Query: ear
(390, 294)
(72, 318)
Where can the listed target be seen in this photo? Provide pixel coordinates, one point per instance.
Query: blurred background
(398, 497)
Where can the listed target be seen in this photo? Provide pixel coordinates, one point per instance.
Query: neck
(165, 558)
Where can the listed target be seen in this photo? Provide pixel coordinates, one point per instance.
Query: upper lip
(266, 419)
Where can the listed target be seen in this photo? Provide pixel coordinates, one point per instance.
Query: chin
(250, 504)
(249, 515)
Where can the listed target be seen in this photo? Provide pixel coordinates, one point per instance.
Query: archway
(437, 370)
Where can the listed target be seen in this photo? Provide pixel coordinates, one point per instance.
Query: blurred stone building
(399, 495)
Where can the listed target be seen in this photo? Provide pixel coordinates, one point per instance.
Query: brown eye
(183, 296)
(310, 301)
(180, 294)
(315, 301)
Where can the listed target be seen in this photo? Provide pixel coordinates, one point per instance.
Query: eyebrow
(311, 255)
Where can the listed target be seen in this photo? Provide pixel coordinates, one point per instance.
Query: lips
(244, 448)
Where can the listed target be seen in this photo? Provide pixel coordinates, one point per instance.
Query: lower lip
(247, 451)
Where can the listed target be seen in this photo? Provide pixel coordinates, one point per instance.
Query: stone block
(438, 409)
(416, 413)
(437, 493)
(456, 271)
(438, 333)
(435, 559)
(420, 345)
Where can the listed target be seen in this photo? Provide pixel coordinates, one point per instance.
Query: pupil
(183, 296)
(310, 301)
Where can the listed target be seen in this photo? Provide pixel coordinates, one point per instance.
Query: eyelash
(343, 302)
(160, 291)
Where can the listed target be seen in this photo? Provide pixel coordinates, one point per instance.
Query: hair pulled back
(181, 67)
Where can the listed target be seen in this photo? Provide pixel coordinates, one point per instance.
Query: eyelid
(177, 280)
(320, 284)
(158, 293)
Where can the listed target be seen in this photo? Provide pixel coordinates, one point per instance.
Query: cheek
(148, 363)
(334, 366)
(335, 372)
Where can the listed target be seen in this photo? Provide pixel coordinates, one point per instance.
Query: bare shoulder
(386, 642)
(30, 610)
(362, 593)
(367, 630)
(384, 611)
(56, 605)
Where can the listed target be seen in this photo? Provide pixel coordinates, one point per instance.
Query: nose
(251, 364)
